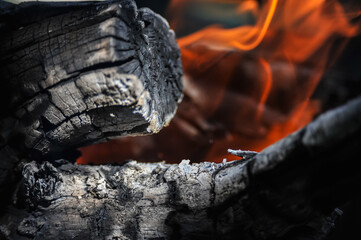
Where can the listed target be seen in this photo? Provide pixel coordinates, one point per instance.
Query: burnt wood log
(85, 72)
(291, 190)
(75, 73)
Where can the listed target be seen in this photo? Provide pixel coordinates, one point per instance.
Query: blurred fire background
(244, 92)
(255, 71)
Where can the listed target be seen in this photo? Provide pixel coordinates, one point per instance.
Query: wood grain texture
(89, 74)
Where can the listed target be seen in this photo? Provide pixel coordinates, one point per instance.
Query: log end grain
(87, 75)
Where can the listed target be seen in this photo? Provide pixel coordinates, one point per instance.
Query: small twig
(245, 155)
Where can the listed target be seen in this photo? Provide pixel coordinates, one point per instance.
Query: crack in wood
(136, 92)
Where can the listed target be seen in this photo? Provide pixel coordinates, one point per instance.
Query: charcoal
(87, 74)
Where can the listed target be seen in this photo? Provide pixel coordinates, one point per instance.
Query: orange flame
(245, 87)
(251, 36)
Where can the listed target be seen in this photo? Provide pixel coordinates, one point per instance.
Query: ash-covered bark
(291, 190)
(87, 74)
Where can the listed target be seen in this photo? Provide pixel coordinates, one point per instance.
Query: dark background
(158, 6)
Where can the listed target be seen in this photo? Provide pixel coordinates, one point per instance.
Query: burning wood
(290, 190)
(276, 194)
(240, 92)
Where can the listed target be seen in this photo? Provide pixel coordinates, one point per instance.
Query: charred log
(291, 190)
(77, 73)
(86, 73)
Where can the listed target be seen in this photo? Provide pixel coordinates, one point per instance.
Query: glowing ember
(245, 87)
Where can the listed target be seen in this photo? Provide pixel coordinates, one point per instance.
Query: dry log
(84, 73)
(291, 190)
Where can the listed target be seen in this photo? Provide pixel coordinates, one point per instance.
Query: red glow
(245, 87)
